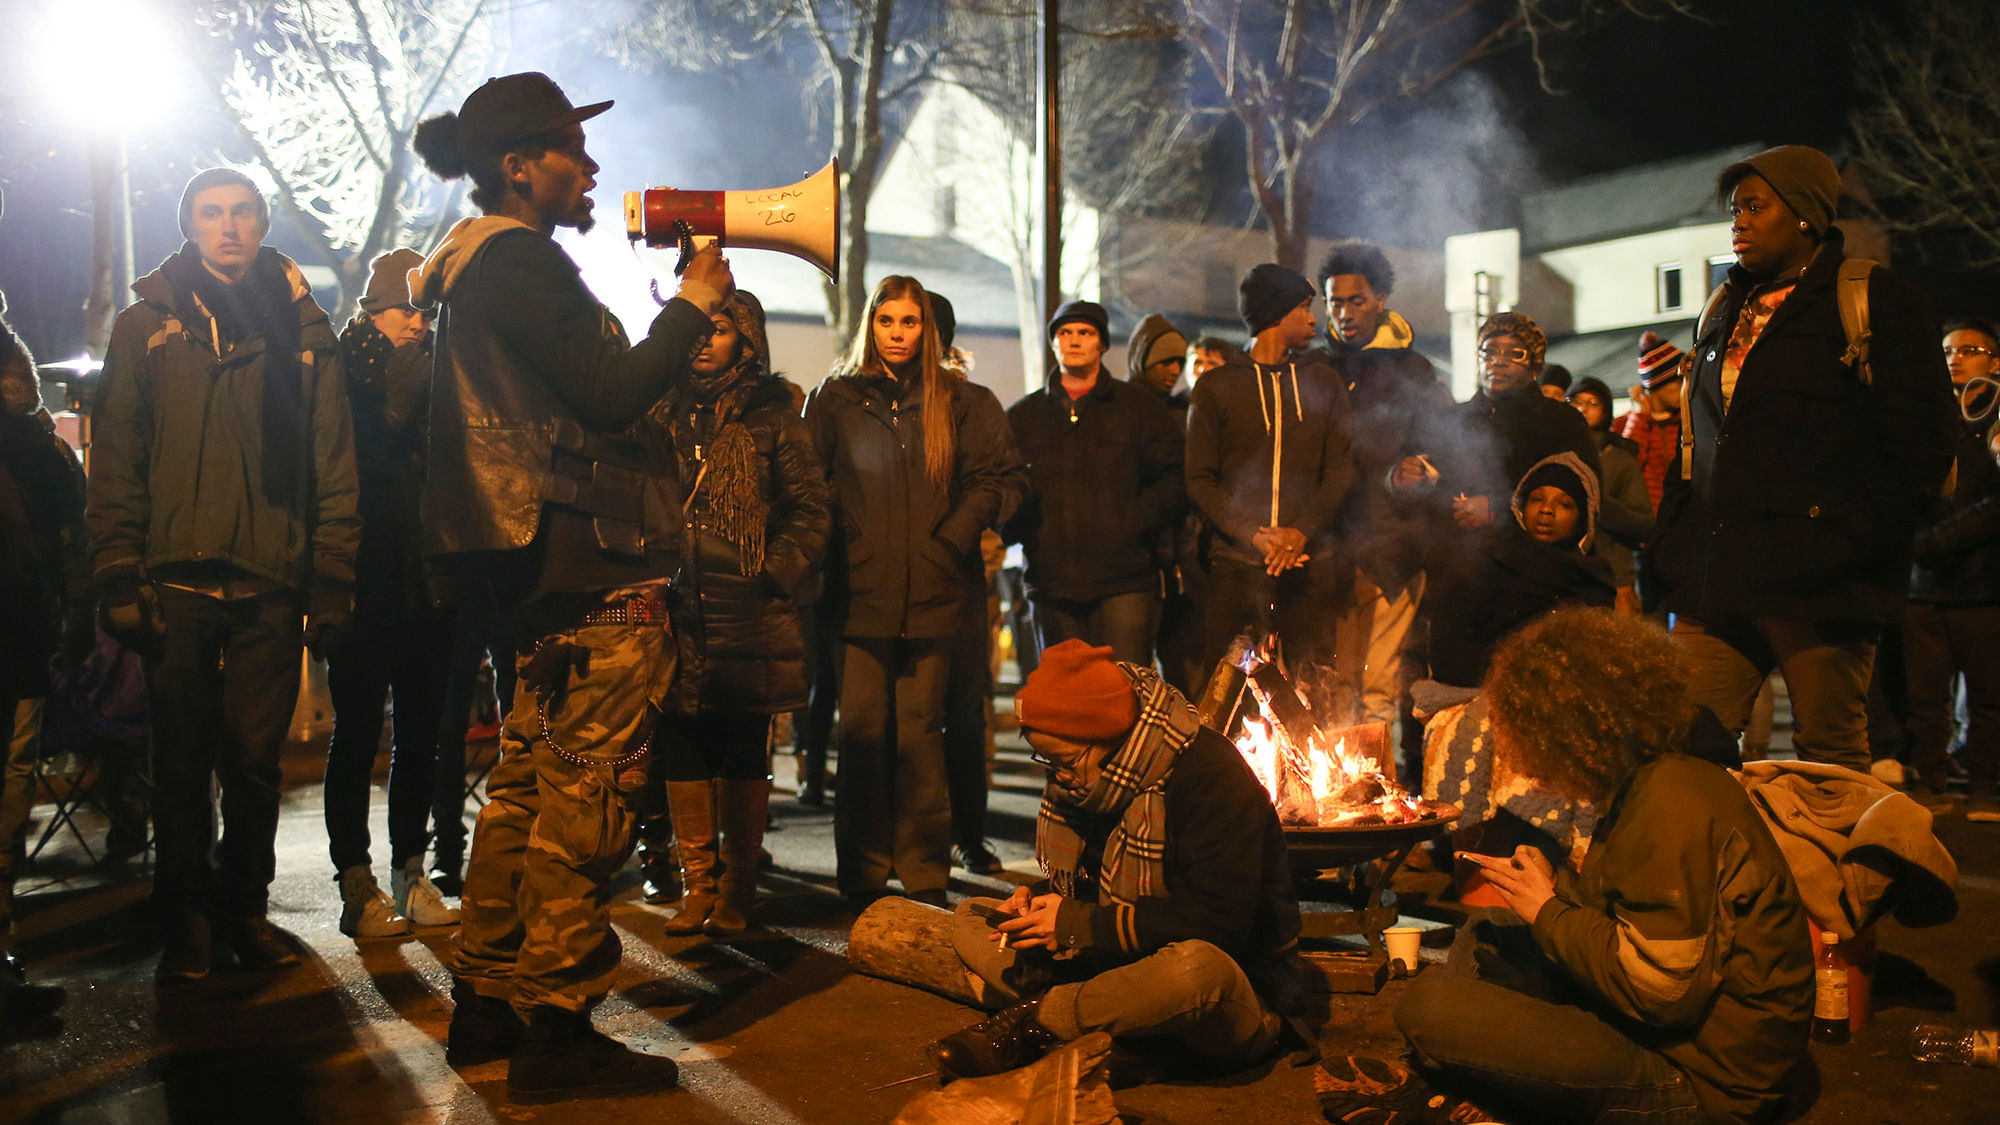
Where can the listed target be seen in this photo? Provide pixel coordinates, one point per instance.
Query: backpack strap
(1711, 313)
(1711, 309)
(1852, 296)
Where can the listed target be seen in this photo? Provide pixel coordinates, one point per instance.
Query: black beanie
(1805, 178)
(1268, 293)
(945, 317)
(1090, 312)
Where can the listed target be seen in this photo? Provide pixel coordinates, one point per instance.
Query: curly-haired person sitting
(1667, 980)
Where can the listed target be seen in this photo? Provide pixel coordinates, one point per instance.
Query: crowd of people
(664, 545)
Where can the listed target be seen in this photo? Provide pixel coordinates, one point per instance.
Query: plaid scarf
(1132, 787)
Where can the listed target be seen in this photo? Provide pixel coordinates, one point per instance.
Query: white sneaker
(365, 912)
(418, 898)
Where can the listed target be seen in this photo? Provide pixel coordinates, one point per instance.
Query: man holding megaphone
(533, 503)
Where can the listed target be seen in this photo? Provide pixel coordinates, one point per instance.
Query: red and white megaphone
(801, 219)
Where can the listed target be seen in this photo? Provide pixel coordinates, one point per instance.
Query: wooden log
(905, 941)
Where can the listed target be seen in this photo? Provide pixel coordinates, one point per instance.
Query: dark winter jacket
(1106, 480)
(1627, 515)
(529, 488)
(1486, 444)
(1508, 580)
(41, 531)
(178, 458)
(1229, 881)
(897, 564)
(1687, 928)
(1243, 413)
(389, 390)
(1393, 394)
(1804, 499)
(741, 649)
(1958, 553)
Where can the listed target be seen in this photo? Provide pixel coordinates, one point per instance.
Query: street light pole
(1051, 143)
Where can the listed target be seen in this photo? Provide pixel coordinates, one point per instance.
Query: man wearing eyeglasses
(1785, 532)
(1952, 626)
(1167, 912)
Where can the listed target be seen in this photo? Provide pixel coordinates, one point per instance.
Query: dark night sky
(1770, 70)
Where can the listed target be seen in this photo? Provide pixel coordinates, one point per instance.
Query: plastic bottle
(1931, 1042)
(1829, 1023)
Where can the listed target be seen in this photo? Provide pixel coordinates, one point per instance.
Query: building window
(1718, 269)
(947, 207)
(1485, 294)
(1667, 286)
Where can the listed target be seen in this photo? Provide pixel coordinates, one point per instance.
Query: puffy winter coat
(895, 566)
(741, 649)
(1106, 481)
(178, 452)
(1958, 553)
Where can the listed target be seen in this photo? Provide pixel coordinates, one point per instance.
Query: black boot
(1005, 1041)
(561, 1056)
(659, 866)
(483, 1028)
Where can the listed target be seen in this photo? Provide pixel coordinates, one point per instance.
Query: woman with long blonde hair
(919, 465)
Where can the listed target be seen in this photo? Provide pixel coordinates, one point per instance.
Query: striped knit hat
(1659, 361)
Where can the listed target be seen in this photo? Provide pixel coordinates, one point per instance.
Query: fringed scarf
(1132, 787)
(725, 470)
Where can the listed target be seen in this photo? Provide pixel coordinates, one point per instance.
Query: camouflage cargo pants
(535, 923)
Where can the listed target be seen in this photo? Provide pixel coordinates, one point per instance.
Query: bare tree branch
(1295, 73)
(873, 56)
(1929, 135)
(323, 96)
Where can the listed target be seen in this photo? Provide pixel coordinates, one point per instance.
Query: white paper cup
(1403, 942)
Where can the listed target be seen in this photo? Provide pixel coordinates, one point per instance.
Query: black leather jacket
(529, 489)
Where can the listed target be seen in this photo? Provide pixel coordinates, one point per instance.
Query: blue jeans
(1123, 621)
(1466, 1020)
(1190, 991)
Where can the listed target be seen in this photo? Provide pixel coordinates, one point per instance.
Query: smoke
(1449, 163)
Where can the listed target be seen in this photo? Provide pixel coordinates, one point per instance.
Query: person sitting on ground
(1168, 908)
(1671, 977)
(1541, 560)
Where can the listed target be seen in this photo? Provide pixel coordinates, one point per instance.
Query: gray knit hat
(1805, 178)
(389, 281)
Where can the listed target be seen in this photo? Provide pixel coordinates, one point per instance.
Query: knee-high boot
(743, 806)
(693, 805)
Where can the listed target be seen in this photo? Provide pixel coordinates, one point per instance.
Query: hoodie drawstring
(1273, 413)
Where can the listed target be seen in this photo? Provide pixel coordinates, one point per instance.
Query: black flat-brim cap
(514, 107)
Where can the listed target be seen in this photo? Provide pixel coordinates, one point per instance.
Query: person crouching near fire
(1167, 910)
(1671, 977)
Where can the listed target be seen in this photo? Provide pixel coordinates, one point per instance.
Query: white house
(1602, 260)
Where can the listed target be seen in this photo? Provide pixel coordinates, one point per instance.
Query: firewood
(903, 940)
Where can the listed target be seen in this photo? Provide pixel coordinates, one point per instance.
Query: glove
(329, 615)
(132, 611)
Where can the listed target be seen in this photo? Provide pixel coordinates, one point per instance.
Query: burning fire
(1321, 782)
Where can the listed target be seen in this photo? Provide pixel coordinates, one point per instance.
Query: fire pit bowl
(1313, 848)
